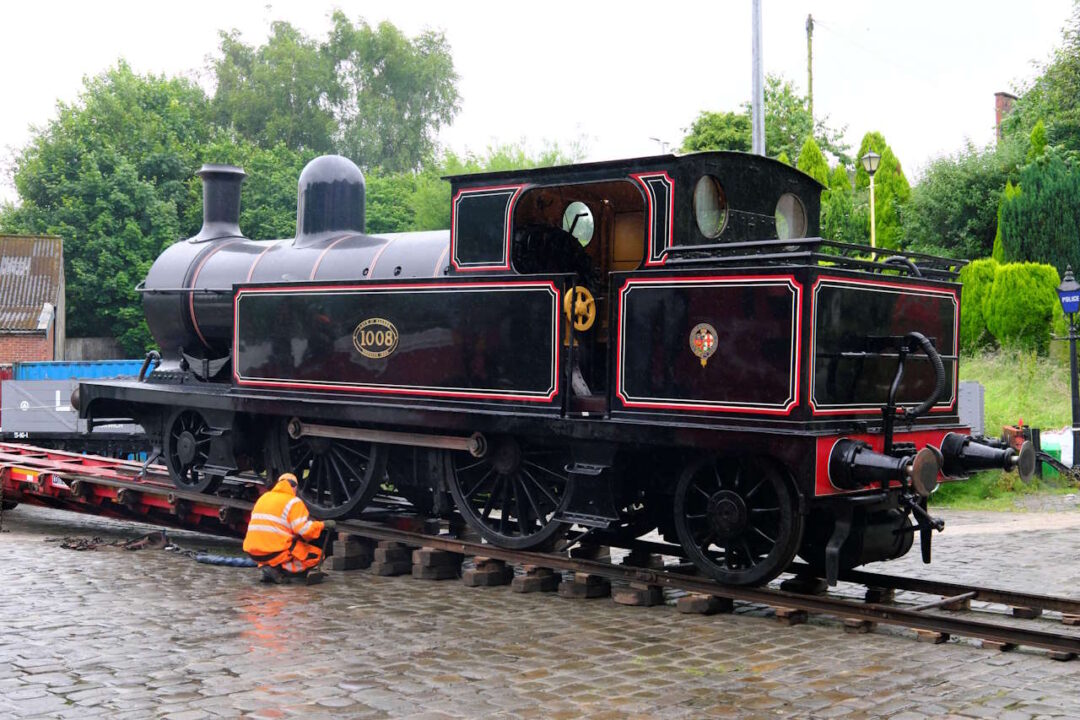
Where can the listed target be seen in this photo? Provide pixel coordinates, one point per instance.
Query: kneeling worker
(279, 525)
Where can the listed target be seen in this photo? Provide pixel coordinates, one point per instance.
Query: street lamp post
(870, 162)
(1069, 295)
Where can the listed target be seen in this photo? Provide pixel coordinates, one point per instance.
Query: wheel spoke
(349, 448)
(490, 503)
(532, 502)
(751, 559)
(763, 511)
(504, 515)
(551, 498)
(757, 487)
(767, 539)
(476, 464)
(341, 482)
(704, 494)
(468, 494)
(520, 510)
(552, 473)
(300, 463)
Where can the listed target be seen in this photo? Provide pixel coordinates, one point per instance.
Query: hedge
(977, 277)
(1019, 306)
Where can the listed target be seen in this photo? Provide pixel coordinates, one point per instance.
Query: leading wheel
(187, 448)
(737, 519)
(511, 495)
(335, 478)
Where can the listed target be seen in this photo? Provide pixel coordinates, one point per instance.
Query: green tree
(953, 210)
(431, 199)
(110, 175)
(278, 92)
(783, 157)
(891, 190)
(268, 196)
(787, 125)
(395, 93)
(1054, 96)
(369, 93)
(788, 122)
(1040, 223)
(389, 202)
(842, 219)
(718, 131)
(1010, 192)
(1038, 142)
(812, 162)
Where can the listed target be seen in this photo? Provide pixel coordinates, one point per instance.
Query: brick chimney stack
(1003, 105)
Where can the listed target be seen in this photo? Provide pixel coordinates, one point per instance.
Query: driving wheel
(737, 519)
(335, 478)
(186, 449)
(511, 495)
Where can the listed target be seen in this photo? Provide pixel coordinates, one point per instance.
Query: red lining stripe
(556, 325)
(911, 289)
(650, 260)
(318, 262)
(194, 278)
(782, 280)
(507, 225)
(271, 246)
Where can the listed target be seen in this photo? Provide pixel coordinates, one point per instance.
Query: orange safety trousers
(300, 557)
(278, 529)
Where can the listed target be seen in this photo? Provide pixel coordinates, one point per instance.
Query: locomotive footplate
(591, 499)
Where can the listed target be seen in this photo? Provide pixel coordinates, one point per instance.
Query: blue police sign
(1070, 301)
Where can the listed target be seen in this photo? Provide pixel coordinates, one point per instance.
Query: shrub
(977, 278)
(1039, 224)
(1020, 305)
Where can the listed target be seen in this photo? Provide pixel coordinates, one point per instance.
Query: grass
(1021, 385)
(1018, 385)
(994, 490)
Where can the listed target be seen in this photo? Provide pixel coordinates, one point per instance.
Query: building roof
(31, 275)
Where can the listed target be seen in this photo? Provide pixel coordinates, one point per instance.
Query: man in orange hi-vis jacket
(279, 525)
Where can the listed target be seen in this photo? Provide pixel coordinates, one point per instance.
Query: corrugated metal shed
(31, 274)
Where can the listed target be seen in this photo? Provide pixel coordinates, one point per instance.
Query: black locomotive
(660, 342)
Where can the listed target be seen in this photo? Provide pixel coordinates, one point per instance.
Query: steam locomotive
(660, 342)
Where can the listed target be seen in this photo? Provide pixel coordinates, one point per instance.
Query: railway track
(124, 489)
(1060, 645)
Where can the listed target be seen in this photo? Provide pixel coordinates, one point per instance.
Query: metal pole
(1075, 389)
(873, 240)
(757, 102)
(810, 67)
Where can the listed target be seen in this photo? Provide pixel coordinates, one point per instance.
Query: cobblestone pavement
(143, 634)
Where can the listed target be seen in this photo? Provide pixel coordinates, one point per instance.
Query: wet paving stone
(153, 634)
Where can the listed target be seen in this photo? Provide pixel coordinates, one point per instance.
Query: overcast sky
(612, 75)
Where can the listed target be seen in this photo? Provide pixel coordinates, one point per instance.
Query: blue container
(77, 370)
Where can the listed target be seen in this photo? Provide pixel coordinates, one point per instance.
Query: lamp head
(1069, 293)
(870, 162)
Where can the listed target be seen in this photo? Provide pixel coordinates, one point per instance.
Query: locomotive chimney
(221, 202)
(330, 199)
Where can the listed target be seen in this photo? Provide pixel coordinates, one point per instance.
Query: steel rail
(1067, 606)
(841, 608)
